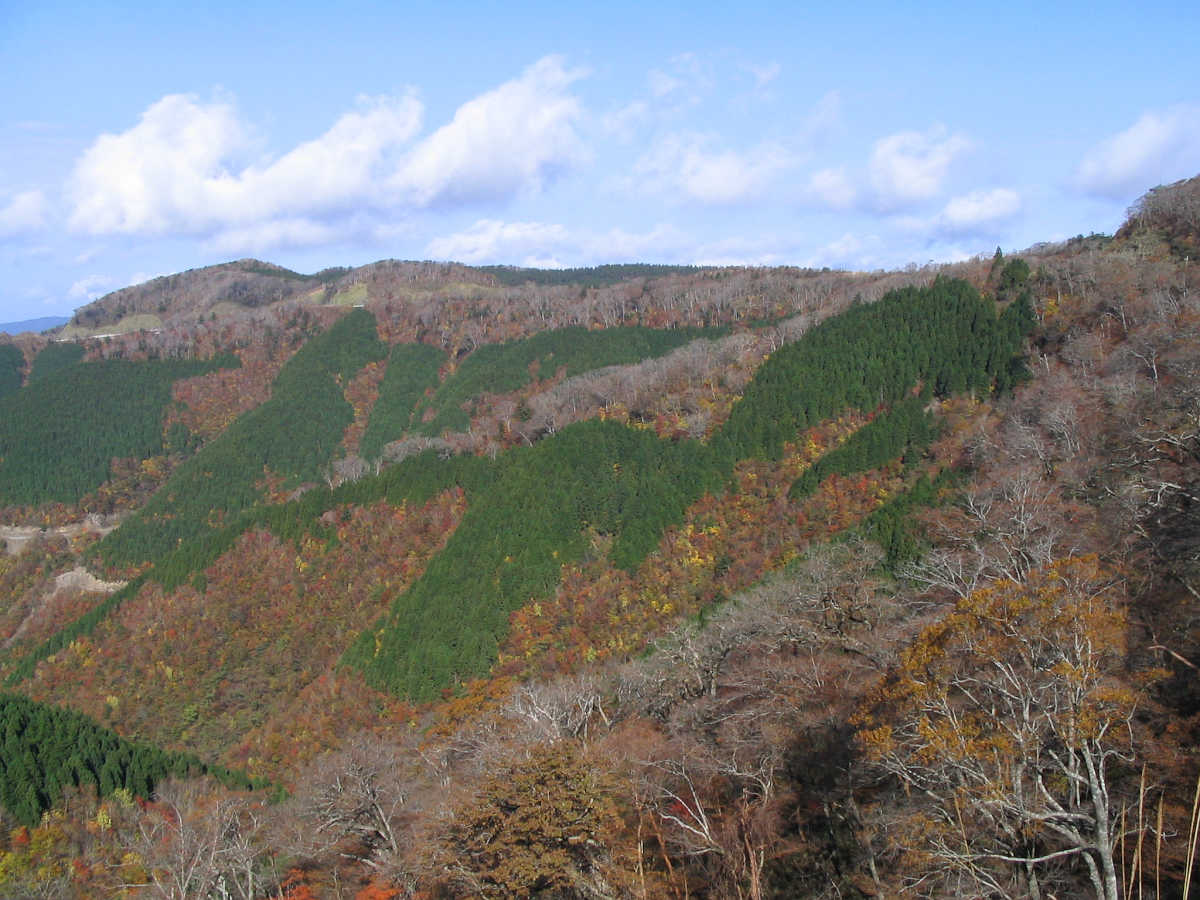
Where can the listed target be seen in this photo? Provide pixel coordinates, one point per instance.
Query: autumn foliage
(647, 582)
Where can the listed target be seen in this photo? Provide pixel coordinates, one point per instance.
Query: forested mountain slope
(60, 434)
(631, 582)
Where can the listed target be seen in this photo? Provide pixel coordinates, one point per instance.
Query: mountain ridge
(38, 325)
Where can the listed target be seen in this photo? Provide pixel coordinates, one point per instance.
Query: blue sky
(142, 139)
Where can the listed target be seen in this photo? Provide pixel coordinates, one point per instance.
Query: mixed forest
(423, 580)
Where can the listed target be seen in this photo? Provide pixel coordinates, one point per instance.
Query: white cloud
(175, 171)
(847, 252)
(685, 79)
(979, 212)
(661, 243)
(189, 166)
(911, 166)
(25, 212)
(341, 166)
(389, 232)
(764, 74)
(261, 236)
(952, 253)
(979, 209)
(89, 288)
(832, 188)
(622, 123)
(544, 245)
(825, 117)
(687, 166)
(543, 262)
(490, 240)
(510, 139)
(662, 84)
(760, 250)
(1161, 146)
(914, 225)
(157, 173)
(867, 251)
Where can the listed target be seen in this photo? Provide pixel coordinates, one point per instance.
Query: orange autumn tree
(1004, 723)
(546, 825)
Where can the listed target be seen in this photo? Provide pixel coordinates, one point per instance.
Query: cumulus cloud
(979, 210)
(846, 252)
(761, 250)
(89, 288)
(688, 167)
(23, 213)
(867, 251)
(623, 121)
(148, 178)
(491, 239)
(262, 236)
(190, 166)
(176, 170)
(1161, 146)
(544, 244)
(977, 213)
(341, 166)
(682, 81)
(911, 166)
(662, 243)
(832, 188)
(512, 138)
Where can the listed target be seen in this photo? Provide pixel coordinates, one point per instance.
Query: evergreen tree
(46, 749)
(12, 362)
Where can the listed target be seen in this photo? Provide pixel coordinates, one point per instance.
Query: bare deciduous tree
(1003, 723)
(204, 843)
(568, 707)
(354, 802)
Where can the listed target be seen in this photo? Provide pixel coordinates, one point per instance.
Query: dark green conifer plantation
(412, 369)
(501, 368)
(943, 339)
(54, 357)
(44, 749)
(527, 516)
(901, 430)
(891, 526)
(292, 435)
(60, 433)
(12, 362)
(591, 276)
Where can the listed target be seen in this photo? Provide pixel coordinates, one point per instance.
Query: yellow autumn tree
(546, 825)
(1003, 723)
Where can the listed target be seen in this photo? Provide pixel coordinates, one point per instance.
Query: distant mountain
(201, 294)
(186, 299)
(192, 293)
(45, 323)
